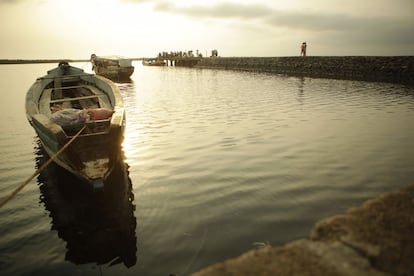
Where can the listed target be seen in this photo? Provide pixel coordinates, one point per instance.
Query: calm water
(218, 161)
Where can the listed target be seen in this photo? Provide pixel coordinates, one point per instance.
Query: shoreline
(32, 61)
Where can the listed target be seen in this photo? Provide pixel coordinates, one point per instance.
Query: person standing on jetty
(303, 49)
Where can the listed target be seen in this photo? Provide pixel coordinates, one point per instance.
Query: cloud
(337, 22)
(354, 29)
(10, 1)
(15, 2)
(265, 23)
(223, 10)
(296, 19)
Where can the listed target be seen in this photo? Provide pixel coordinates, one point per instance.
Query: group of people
(179, 54)
(213, 53)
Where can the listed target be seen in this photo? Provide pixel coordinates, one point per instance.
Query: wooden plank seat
(69, 87)
(75, 99)
(66, 76)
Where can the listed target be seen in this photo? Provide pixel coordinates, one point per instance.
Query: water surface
(218, 161)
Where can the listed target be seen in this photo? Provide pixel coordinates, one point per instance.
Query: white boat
(67, 101)
(153, 62)
(116, 68)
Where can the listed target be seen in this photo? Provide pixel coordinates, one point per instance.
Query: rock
(381, 229)
(303, 257)
(373, 239)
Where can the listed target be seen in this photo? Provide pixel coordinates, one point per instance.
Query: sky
(74, 29)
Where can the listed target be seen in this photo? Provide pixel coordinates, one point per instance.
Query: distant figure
(303, 49)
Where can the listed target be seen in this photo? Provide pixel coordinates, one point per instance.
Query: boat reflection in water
(98, 227)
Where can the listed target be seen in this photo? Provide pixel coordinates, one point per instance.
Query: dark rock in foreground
(373, 239)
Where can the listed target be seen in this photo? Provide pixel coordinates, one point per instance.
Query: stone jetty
(394, 69)
(375, 238)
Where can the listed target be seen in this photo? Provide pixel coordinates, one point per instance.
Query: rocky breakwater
(394, 69)
(373, 239)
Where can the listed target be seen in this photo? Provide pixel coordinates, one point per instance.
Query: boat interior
(73, 93)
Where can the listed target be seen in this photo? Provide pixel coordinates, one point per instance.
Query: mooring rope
(9, 197)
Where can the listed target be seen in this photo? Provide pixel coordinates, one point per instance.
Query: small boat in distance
(68, 102)
(116, 68)
(153, 62)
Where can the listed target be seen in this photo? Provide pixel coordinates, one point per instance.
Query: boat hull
(90, 158)
(92, 154)
(113, 68)
(115, 74)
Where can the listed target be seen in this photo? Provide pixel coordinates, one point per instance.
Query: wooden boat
(115, 68)
(67, 101)
(153, 62)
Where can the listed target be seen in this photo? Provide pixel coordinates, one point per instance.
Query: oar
(9, 197)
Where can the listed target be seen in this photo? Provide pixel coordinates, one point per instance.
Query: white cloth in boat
(71, 116)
